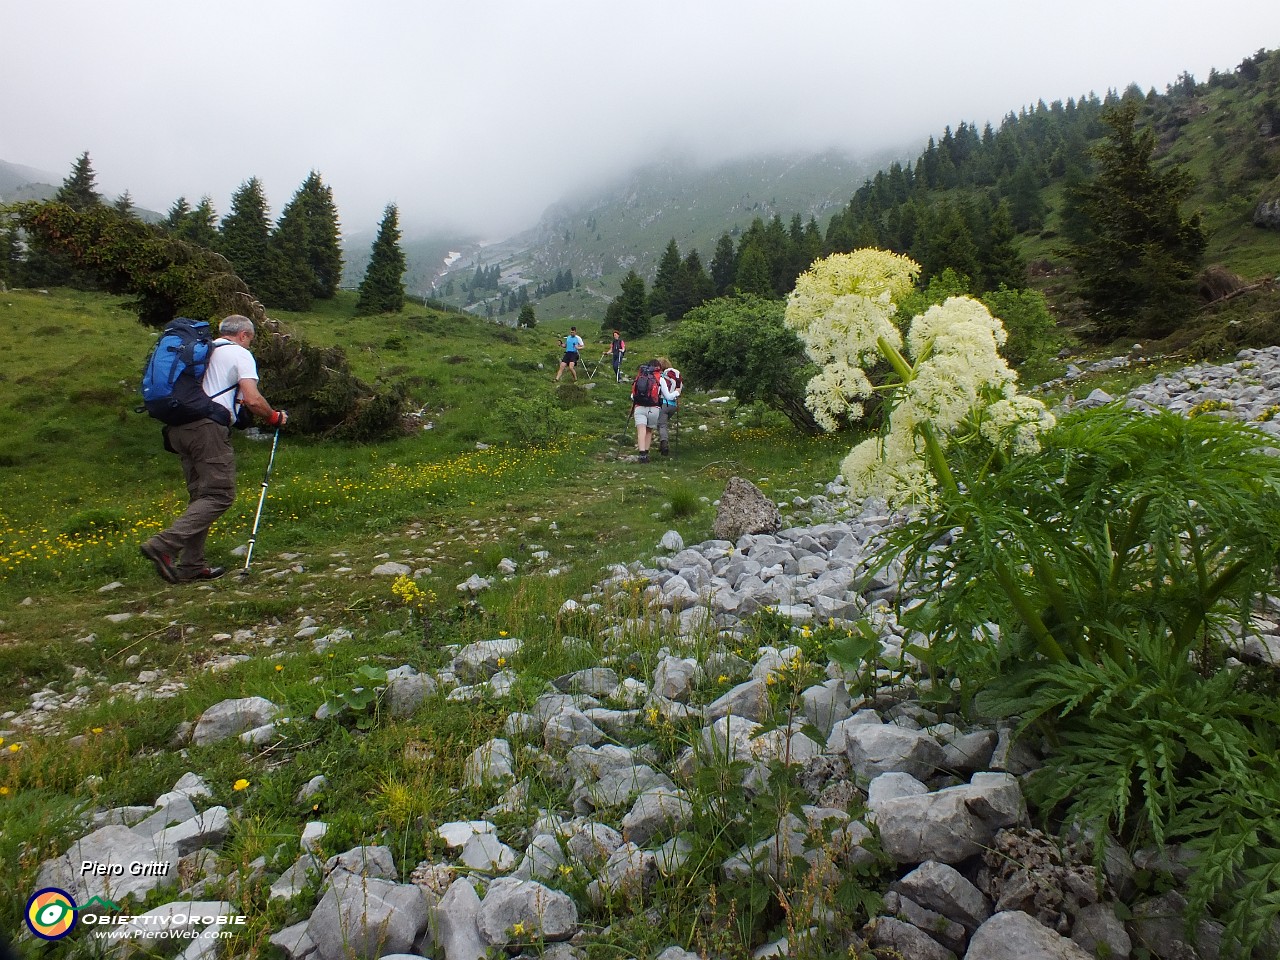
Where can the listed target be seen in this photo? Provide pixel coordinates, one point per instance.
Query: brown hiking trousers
(209, 467)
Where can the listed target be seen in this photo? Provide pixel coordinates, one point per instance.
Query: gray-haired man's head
(234, 324)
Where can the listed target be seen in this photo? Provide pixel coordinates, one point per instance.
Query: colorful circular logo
(51, 913)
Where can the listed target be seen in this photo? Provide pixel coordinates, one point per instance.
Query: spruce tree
(47, 266)
(1137, 265)
(693, 287)
(753, 273)
(77, 191)
(950, 243)
(245, 234)
(1002, 263)
(198, 226)
(123, 204)
(305, 253)
(177, 213)
(291, 282)
(662, 296)
(629, 310)
(324, 237)
(10, 256)
(382, 289)
(723, 266)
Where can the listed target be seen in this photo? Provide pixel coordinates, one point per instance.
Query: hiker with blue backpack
(199, 388)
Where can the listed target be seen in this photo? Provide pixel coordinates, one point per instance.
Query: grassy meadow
(512, 465)
(502, 463)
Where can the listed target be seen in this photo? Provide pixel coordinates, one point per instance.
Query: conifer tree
(661, 297)
(10, 256)
(245, 234)
(723, 266)
(177, 213)
(198, 226)
(527, 319)
(629, 310)
(47, 266)
(324, 237)
(1137, 264)
(950, 243)
(382, 289)
(1002, 263)
(77, 191)
(752, 276)
(693, 287)
(778, 254)
(123, 204)
(291, 282)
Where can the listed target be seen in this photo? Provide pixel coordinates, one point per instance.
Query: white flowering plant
(1092, 578)
(952, 386)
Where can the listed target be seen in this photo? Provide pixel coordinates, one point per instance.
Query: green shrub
(1034, 339)
(531, 421)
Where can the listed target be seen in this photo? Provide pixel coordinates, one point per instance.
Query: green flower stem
(937, 458)
(896, 360)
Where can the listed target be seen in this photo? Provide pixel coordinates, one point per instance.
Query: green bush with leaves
(741, 344)
(531, 421)
(1034, 338)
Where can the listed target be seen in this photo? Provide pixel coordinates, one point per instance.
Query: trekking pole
(253, 534)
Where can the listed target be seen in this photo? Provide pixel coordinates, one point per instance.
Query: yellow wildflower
(240, 784)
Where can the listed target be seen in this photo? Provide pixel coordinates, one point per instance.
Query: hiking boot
(204, 573)
(162, 562)
(664, 448)
(644, 456)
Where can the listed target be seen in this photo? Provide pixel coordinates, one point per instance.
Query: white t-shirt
(230, 364)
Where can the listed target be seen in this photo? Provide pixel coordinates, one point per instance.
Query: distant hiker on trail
(572, 344)
(669, 386)
(208, 462)
(617, 350)
(645, 398)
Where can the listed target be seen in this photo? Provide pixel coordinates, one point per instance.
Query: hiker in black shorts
(572, 344)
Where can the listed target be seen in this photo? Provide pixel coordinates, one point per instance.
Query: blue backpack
(172, 389)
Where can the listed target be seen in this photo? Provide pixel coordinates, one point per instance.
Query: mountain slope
(603, 233)
(18, 182)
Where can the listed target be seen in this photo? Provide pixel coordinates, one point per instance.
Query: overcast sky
(480, 113)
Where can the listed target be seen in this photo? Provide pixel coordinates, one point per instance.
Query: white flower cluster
(840, 308)
(954, 380)
(959, 381)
